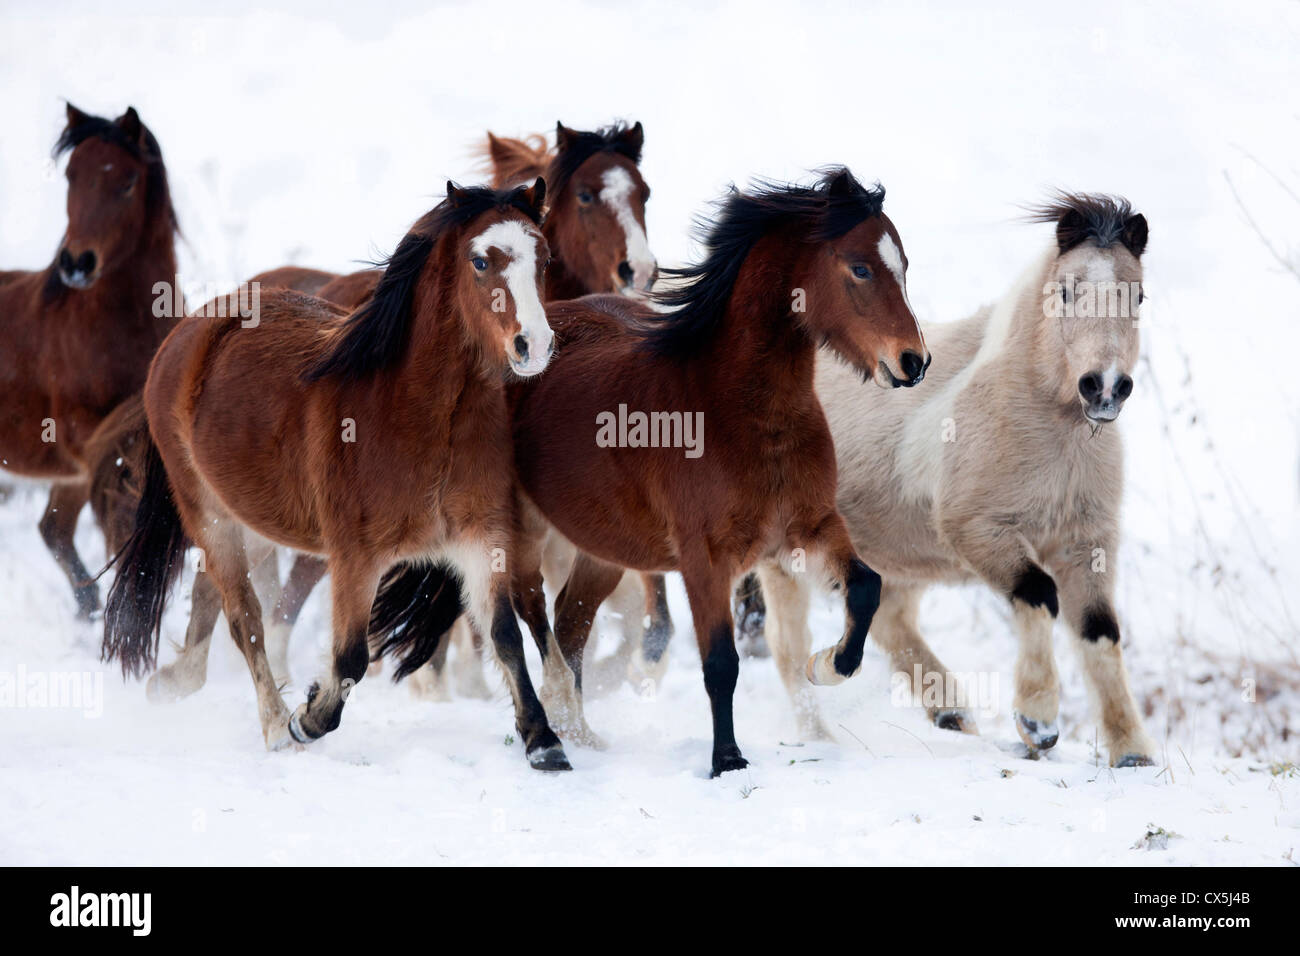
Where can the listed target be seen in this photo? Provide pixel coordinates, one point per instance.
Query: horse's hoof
(280, 736)
(1037, 735)
(1135, 760)
(549, 760)
(821, 671)
(958, 720)
(724, 763)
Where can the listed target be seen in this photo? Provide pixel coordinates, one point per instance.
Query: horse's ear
(1134, 234)
(1071, 229)
(633, 139)
(564, 137)
(842, 185)
(535, 196)
(131, 125)
(76, 117)
(453, 193)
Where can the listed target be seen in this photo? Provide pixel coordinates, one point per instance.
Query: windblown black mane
(375, 336)
(1096, 216)
(828, 210)
(581, 146)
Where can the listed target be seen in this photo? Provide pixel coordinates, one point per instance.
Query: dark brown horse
(730, 460)
(76, 338)
(372, 438)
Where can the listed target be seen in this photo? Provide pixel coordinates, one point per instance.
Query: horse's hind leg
(651, 658)
(1088, 611)
(189, 671)
(590, 582)
(354, 583)
(58, 526)
(786, 620)
(304, 574)
(222, 540)
(895, 631)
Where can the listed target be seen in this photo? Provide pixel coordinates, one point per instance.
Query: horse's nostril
(913, 365)
(86, 263)
(1090, 386)
(625, 272)
(1123, 388)
(521, 348)
(66, 262)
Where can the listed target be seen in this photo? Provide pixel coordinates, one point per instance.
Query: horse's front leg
(1086, 586)
(708, 586)
(1006, 561)
(355, 579)
(828, 545)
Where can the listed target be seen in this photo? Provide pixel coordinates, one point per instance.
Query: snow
(318, 133)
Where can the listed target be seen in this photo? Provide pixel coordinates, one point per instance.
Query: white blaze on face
(519, 243)
(893, 260)
(616, 193)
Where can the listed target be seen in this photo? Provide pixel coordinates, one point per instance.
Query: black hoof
(1135, 760)
(549, 760)
(723, 763)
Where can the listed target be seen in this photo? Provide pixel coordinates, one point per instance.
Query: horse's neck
(441, 370)
(562, 284)
(130, 291)
(759, 361)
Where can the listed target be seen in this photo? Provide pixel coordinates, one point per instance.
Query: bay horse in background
(76, 337)
(388, 442)
(1024, 495)
(787, 269)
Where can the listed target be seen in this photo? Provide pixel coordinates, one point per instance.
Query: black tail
(413, 613)
(147, 567)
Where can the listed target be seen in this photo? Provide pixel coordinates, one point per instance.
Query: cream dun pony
(1004, 467)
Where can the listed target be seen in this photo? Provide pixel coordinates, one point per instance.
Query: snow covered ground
(319, 133)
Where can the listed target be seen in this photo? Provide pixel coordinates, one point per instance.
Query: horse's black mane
(828, 209)
(1096, 216)
(582, 145)
(375, 336)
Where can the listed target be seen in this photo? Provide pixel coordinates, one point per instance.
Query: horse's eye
(585, 197)
(862, 272)
(129, 187)
(479, 263)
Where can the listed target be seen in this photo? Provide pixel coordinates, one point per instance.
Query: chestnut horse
(386, 442)
(787, 269)
(76, 338)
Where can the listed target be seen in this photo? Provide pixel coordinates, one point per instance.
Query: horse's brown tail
(147, 567)
(413, 614)
(515, 161)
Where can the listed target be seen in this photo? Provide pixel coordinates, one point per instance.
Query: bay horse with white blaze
(76, 338)
(1006, 469)
(387, 443)
(787, 269)
(595, 229)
